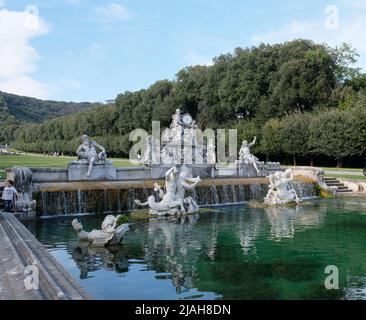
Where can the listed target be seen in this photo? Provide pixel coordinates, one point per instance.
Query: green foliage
(338, 134)
(271, 138)
(344, 58)
(122, 219)
(294, 133)
(299, 98)
(26, 109)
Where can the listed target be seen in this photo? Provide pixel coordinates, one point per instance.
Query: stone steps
(18, 249)
(334, 182)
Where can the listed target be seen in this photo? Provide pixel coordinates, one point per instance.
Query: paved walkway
(19, 249)
(344, 172)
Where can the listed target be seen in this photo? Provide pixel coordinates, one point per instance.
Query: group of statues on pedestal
(173, 199)
(179, 144)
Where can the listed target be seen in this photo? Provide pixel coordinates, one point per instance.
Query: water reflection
(230, 253)
(172, 248)
(89, 259)
(249, 228)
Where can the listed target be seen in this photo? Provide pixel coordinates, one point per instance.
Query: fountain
(92, 184)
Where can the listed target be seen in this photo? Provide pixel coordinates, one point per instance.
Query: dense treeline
(303, 101)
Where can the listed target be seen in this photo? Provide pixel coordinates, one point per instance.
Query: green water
(226, 253)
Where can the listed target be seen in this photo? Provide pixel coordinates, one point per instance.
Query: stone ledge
(18, 249)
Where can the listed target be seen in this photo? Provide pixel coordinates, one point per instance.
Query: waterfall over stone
(74, 198)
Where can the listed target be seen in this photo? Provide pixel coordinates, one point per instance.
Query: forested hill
(19, 109)
(305, 102)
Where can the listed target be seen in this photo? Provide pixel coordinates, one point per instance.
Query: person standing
(8, 195)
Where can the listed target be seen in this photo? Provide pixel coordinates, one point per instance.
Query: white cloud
(25, 86)
(18, 58)
(194, 59)
(113, 12)
(351, 31)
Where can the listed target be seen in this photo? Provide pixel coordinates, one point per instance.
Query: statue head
(84, 138)
(245, 143)
(108, 222)
(177, 111)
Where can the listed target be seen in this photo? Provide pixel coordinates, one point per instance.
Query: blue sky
(89, 50)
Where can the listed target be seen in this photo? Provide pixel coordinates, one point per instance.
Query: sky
(92, 50)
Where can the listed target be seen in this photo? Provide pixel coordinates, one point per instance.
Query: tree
(271, 144)
(344, 57)
(294, 134)
(335, 133)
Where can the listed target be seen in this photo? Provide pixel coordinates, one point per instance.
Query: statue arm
(170, 171)
(191, 186)
(79, 149)
(100, 147)
(253, 142)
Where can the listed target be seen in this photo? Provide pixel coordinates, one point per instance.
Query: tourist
(8, 195)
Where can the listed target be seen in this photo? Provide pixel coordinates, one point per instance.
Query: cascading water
(22, 178)
(304, 190)
(122, 198)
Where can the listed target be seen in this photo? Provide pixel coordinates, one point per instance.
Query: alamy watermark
(31, 281)
(332, 17)
(331, 282)
(188, 145)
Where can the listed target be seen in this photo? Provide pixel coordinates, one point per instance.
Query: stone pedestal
(100, 172)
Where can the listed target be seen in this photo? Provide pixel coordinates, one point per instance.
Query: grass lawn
(332, 168)
(342, 169)
(40, 161)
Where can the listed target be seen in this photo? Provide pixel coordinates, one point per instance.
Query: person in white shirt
(8, 195)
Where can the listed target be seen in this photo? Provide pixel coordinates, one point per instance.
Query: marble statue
(177, 127)
(173, 200)
(246, 157)
(87, 152)
(109, 234)
(187, 183)
(179, 144)
(279, 191)
(211, 153)
(146, 157)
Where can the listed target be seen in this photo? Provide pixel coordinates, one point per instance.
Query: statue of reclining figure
(110, 233)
